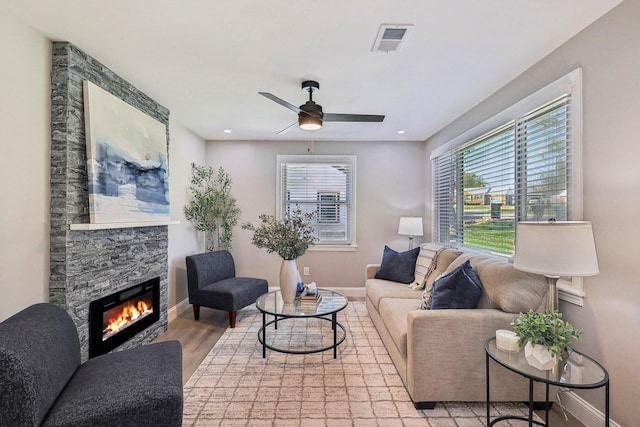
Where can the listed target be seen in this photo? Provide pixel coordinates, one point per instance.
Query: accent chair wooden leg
(196, 312)
(232, 318)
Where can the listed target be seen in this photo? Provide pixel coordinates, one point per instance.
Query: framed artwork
(126, 161)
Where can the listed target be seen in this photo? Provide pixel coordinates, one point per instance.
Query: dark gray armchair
(44, 383)
(212, 282)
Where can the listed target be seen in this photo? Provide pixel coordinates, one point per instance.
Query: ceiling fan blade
(287, 129)
(333, 117)
(280, 101)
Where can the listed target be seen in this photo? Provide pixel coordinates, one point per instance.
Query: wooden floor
(199, 337)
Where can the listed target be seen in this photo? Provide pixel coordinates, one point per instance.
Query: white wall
(184, 148)
(390, 183)
(608, 52)
(25, 117)
(24, 166)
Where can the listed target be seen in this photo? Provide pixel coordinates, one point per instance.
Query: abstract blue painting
(126, 161)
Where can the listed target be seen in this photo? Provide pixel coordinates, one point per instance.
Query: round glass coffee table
(329, 305)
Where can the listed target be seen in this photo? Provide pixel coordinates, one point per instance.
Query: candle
(506, 340)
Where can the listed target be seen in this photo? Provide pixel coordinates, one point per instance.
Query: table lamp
(555, 249)
(410, 226)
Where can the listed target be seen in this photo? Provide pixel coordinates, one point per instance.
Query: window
(323, 185)
(328, 208)
(522, 165)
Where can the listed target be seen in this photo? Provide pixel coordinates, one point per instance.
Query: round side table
(579, 371)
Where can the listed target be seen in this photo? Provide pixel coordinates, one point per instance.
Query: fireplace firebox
(118, 317)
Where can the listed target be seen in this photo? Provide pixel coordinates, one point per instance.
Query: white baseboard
(586, 413)
(177, 309)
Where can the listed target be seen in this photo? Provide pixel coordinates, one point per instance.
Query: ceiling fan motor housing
(311, 109)
(310, 116)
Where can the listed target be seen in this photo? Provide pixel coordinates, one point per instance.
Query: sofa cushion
(394, 311)
(376, 289)
(506, 288)
(398, 266)
(425, 264)
(458, 289)
(123, 387)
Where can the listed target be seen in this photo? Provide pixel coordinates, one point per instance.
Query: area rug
(236, 386)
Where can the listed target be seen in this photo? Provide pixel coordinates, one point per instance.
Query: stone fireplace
(88, 265)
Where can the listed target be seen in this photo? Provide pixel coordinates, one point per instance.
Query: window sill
(333, 248)
(570, 294)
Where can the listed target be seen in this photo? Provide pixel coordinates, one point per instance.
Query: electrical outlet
(305, 271)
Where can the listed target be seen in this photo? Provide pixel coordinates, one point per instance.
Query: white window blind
(323, 185)
(517, 171)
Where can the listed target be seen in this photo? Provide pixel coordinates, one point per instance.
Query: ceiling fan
(310, 115)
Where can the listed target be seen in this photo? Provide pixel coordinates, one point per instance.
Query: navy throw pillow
(459, 289)
(398, 266)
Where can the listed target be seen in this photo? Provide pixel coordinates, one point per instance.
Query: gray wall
(390, 184)
(609, 55)
(87, 265)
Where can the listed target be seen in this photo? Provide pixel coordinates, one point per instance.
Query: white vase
(539, 356)
(288, 280)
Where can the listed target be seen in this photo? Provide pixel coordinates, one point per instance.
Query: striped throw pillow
(425, 264)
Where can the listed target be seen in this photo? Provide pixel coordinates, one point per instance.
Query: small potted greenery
(545, 336)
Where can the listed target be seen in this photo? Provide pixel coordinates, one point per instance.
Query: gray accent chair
(42, 380)
(212, 282)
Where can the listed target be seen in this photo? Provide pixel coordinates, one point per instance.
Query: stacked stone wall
(87, 265)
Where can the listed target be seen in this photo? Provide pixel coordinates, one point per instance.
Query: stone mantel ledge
(114, 225)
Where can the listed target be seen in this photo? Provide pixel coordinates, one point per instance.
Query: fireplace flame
(130, 313)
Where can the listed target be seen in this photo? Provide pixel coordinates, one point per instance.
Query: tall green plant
(212, 209)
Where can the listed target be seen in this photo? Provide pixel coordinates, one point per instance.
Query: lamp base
(410, 242)
(552, 294)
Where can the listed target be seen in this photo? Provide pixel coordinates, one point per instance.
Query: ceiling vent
(391, 37)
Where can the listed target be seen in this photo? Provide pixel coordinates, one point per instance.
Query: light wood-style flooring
(199, 337)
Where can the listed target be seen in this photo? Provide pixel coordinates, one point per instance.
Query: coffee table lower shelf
(326, 309)
(336, 340)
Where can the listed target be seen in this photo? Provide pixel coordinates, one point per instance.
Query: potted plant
(545, 336)
(289, 237)
(212, 209)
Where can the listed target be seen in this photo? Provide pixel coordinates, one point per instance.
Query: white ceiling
(206, 60)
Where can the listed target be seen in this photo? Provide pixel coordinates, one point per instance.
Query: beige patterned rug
(235, 386)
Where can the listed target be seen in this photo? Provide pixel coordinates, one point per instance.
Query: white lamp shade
(410, 226)
(556, 249)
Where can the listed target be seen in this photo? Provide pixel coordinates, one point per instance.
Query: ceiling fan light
(309, 122)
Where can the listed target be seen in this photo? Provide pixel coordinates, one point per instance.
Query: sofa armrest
(449, 344)
(370, 271)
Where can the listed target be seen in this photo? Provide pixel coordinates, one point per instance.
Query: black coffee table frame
(594, 376)
(271, 304)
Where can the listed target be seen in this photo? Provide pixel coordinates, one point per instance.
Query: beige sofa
(439, 354)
